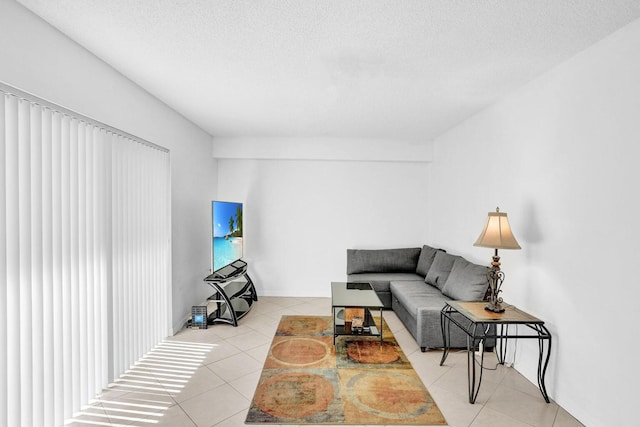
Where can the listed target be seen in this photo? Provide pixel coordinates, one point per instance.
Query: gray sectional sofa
(416, 283)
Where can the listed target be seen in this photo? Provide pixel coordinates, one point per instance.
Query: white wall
(323, 148)
(560, 156)
(301, 216)
(36, 58)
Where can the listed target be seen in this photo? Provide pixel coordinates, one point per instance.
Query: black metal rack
(234, 293)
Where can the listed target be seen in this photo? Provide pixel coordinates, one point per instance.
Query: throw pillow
(467, 281)
(427, 255)
(440, 269)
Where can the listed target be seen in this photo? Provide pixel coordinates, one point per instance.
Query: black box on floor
(199, 317)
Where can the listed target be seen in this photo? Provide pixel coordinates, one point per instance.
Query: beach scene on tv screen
(227, 233)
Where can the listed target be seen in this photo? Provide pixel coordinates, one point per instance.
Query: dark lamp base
(496, 308)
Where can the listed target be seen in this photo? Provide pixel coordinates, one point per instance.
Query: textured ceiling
(302, 68)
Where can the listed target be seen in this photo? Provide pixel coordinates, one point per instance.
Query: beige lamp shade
(497, 233)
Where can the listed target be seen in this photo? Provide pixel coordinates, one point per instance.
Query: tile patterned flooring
(213, 381)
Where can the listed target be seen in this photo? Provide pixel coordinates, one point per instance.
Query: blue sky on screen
(222, 211)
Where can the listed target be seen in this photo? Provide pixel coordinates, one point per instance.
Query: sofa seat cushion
(381, 281)
(403, 260)
(417, 295)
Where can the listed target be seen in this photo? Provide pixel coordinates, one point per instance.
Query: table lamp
(497, 235)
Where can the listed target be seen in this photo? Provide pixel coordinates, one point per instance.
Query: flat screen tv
(226, 242)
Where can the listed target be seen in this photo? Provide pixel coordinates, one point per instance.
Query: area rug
(306, 380)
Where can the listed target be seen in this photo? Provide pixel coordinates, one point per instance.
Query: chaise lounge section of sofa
(416, 283)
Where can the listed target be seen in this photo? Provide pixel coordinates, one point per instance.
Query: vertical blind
(84, 257)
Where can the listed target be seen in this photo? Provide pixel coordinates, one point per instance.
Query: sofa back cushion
(440, 269)
(467, 281)
(402, 260)
(427, 255)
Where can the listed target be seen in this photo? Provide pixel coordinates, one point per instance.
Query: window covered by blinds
(84, 257)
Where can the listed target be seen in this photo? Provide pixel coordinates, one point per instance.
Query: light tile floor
(207, 378)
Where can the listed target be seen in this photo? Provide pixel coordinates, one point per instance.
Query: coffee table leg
(334, 326)
(381, 320)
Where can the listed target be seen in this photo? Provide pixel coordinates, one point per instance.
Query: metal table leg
(381, 325)
(501, 344)
(543, 335)
(335, 327)
(471, 364)
(445, 325)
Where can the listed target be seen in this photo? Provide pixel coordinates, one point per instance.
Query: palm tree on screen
(231, 222)
(239, 219)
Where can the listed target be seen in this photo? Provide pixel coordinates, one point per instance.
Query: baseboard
(182, 324)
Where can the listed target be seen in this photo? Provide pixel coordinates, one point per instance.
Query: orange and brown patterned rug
(306, 380)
